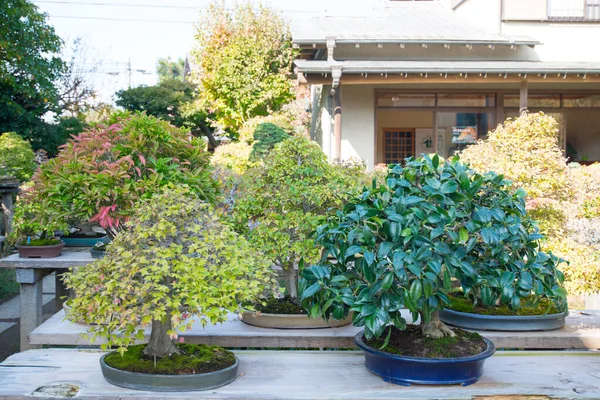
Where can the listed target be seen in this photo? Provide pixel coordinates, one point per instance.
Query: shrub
(400, 244)
(582, 273)
(526, 151)
(266, 136)
(30, 222)
(283, 200)
(17, 159)
(100, 174)
(175, 260)
(234, 156)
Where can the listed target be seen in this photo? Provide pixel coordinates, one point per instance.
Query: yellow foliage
(582, 274)
(234, 156)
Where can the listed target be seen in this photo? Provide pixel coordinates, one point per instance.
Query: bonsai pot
(291, 321)
(97, 253)
(83, 241)
(521, 323)
(40, 251)
(169, 383)
(405, 371)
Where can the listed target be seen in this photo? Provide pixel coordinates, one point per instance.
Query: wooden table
(311, 375)
(581, 332)
(30, 272)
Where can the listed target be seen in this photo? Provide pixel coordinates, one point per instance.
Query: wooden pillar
(523, 97)
(337, 124)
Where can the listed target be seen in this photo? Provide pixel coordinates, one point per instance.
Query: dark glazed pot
(97, 253)
(424, 371)
(83, 241)
(40, 251)
(169, 383)
(519, 323)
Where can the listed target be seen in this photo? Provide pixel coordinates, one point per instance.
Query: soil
(462, 304)
(412, 343)
(194, 359)
(40, 242)
(274, 305)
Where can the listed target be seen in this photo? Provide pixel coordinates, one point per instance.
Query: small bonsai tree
(283, 200)
(30, 228)
(400, 244)
(175, 260)
(266, 136)
(17, 159)
(100, 174)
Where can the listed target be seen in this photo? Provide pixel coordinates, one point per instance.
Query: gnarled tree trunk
(160, 344)
(436, 328)
(291, 283)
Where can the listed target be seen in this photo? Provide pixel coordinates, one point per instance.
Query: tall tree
(168, 69)
(29, 66)
(244, 58)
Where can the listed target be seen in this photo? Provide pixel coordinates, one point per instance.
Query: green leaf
(449, 187)
(387, 339)
(388, 280)
(416, 289)
(310, 291)
(463, 234)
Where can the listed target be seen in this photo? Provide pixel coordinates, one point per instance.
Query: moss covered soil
(462, 304)
(194, 359)
(412, 343)
(40, 242)
(274, 305)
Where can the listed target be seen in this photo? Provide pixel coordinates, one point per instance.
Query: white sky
(114, 34)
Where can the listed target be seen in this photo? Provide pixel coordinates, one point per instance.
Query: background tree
(168, 69)
(29, 67)
(244, 59)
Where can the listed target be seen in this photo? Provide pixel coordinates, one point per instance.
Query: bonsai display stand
(310, 375)
(582, 331)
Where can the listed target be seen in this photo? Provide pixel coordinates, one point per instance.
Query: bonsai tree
(174, 260)
(17, 159)
(101, 174)
(400, 244)
(283, 200)
(266, 136)
(29, 228)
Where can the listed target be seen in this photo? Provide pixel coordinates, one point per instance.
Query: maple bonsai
(102, 173)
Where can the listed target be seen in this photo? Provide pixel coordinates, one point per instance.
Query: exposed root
(436, 329)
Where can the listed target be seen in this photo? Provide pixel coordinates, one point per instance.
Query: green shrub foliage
(400, 244)
(266, 136)
(175, 260)
(17, 159)
(100, 174)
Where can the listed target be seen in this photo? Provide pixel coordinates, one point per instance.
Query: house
(412, 77)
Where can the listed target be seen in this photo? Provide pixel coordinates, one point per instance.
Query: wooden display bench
(582, 332)
(310, 375)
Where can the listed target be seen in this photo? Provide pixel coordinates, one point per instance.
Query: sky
(119, 33)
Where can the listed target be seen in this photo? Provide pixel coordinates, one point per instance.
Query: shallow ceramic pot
(83, 241)
(97, 253)
(169, 383)
(291, 321)
(40, 251)
(405, 371)
(520, 323)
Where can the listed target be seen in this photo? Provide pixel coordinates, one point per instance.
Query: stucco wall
(358, 123)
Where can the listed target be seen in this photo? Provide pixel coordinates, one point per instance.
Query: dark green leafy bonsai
(266, 136)
(401, 244)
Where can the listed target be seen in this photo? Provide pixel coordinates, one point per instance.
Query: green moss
(40, 242)
(463, 304)
(274, 305)
(194, 359)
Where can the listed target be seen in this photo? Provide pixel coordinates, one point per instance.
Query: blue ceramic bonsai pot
(424, 371)
(84, 241)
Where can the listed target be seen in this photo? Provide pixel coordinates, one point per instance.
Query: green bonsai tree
(17, 159)
(175, 260)
(30, 228)
(266, 136)
(283, 200)
(101, 174)
(401, 243)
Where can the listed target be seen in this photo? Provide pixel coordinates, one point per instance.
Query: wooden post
(523, 97)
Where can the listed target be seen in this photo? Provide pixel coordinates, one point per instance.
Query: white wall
(358, 123)
(483, 14)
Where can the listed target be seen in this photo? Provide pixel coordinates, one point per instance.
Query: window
(457, 130)
(398, 145)
(405, 100)
(466, 100)
(581, 100)
(574, 10)
(533, 101)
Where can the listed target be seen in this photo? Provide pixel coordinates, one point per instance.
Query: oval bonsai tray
(83, 241)
(521, 323)
(97, 253)
(169, 383)
(291, 321)
(40, 251)
(424, 371)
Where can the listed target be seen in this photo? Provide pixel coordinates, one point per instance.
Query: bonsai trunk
(160, 344)
(290, 281)
(435, 328)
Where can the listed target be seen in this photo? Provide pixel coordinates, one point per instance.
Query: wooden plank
(582, 332)
(316, 375)
(71, 257)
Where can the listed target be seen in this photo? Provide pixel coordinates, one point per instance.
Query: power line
(123, 19)
(79, 3)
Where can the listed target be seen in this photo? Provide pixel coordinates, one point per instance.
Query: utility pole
(129, 73)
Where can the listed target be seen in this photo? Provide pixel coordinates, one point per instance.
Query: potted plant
(174, 260)
(401, 244)
(281, 202)
(84, 235)
(32, 235)
(99, 249)
(100, 175)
